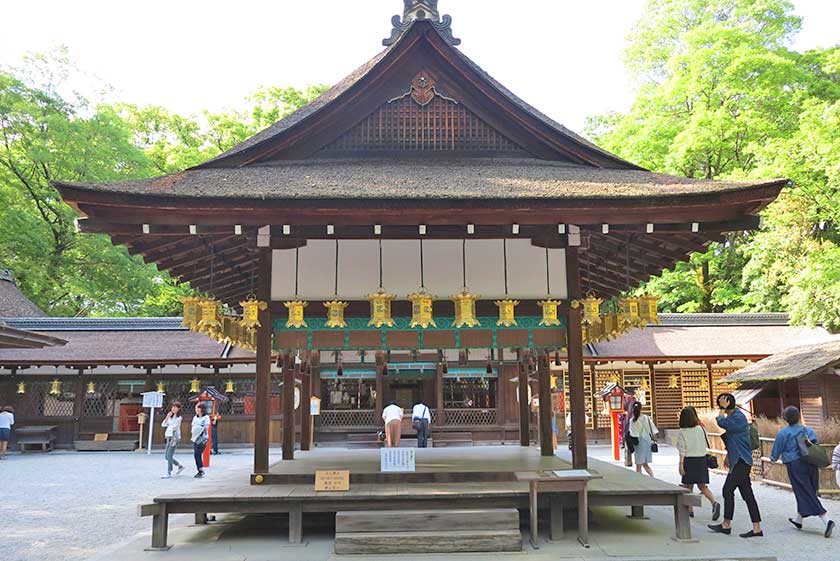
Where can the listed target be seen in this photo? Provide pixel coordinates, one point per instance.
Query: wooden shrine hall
(418, 211)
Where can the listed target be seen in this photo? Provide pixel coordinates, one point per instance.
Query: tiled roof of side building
(793, 363)
(12, 301)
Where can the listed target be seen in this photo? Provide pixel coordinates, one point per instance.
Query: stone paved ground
(68, 506)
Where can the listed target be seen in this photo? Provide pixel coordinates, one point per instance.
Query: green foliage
(46, 137)
(721, 96)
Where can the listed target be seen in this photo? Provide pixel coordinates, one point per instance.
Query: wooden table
(43, 436)
(559, 481)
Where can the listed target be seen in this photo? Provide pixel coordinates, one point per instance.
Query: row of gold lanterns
(55, 387)
(633, 313)
(206, 315)
(421, 311)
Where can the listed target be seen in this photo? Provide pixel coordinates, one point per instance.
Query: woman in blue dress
(804, 477)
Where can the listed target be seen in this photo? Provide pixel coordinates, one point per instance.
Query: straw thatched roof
(794, 363)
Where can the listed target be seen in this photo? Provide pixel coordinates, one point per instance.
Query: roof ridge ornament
(421, 10)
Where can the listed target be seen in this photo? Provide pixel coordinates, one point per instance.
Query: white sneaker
(167, 476)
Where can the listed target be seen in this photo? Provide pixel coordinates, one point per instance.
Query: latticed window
(469, 393)
(442, 125)
(244, 391)
(40, 400)
(100, 403)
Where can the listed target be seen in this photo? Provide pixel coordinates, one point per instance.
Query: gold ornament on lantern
(335, 313)
(592, 309)
(421, 309)
(648, 308)
(251, 309)
(380, 308)
(673, 381)
(465, 309)
(296, 313)
(507, 312)
(209, 322)
(91, 388)
(160, 387)
(549, 312)
(229, 386)
(195, 385)
(644, 386)
(55, 387)
(21, 388)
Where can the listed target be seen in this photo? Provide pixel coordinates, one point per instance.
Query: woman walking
(804, 477)
(7, 419)
(199, 437)
(693, 444)
(642, 430)
(172, 424)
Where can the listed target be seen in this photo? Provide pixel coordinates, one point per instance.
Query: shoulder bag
(711, 459)
(654, 446)
(811, 452)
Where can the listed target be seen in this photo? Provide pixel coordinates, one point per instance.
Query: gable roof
(12, 301)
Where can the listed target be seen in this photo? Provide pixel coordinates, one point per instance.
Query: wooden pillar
(380, 395)
(501, 397)
(544, 379)
(305, 394)
(78, 404)
(710, 371)
(574, 336)
(524, 406)
(440, 418)
(262, 408)
(291, 371)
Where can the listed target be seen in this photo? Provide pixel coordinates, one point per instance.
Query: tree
(46, 137)
(721, 96)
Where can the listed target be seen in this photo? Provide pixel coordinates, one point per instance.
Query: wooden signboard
(332, 480)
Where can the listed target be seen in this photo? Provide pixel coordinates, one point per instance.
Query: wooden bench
(105, 445)
(36, 438)
(427, 531)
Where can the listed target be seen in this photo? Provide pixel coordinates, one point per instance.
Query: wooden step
(428, 520)
(427, 542)
(104, 445)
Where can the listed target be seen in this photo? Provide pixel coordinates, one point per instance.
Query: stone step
(372, 543)
(427, 520)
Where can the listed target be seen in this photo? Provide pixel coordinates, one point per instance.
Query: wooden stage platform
(478, 477)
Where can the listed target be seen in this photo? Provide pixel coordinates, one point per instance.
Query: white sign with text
(395, 460)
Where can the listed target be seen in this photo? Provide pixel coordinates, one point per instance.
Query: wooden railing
(470, 417)
(367, 417)
(348, 417)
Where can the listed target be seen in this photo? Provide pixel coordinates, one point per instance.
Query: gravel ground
(68, 506)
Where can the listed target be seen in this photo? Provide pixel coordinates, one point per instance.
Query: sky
(565, 57)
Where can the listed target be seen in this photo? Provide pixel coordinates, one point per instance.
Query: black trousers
(422, 433)
(739, 478)
(198, 453)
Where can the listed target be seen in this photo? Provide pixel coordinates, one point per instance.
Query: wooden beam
(262, 411)
(305, 395)
(440, 414)
(291, 372)
(574, 334)
(380, 395)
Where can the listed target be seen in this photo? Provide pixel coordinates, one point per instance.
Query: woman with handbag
(198, 434)
(693, 446)
(804, 476)
(643, 431)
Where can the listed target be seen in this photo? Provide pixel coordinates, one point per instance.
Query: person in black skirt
(693, 445)
(804, 477)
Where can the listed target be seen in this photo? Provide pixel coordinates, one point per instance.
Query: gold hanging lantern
(592, 309)
(209, 322)
(55, 387)
(160, 387)
(195, 385)
(648, 308)
(192, 312)
(335, 313)
(21, 388)
(421, 309)
(549, 312)
(380, 308)
(507, 312)
(630, 312)
(465, 310)
(91, 388)
(296, 313)
(229, 386)
(644, 385)
(251, 312)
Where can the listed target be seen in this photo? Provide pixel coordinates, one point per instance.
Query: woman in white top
(392, 415)
(199, 437)
(172, 424)
(693, 445)
(642, 429)
(7, 419)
